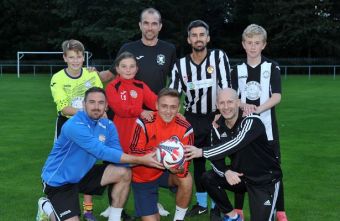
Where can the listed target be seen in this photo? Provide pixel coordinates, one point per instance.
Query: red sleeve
(139, 140)
(188, 139)
(123, 108)
(150, 97)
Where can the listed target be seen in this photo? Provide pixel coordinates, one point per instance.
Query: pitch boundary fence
(286, 70)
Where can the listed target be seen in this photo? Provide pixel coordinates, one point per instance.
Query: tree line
(304, 28)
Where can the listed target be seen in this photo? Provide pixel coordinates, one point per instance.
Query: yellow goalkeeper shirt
(69, 91)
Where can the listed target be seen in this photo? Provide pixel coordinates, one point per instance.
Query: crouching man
(70, 168)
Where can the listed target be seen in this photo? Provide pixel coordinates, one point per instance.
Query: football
(171, 153)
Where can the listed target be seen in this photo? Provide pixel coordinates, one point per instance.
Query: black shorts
(65, 199)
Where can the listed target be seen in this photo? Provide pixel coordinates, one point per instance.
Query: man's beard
(199, 49)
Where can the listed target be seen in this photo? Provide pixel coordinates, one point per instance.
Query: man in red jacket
(146, 180)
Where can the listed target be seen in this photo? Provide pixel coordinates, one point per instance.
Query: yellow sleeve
(57, 88)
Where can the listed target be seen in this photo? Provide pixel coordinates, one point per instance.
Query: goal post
(20, 54)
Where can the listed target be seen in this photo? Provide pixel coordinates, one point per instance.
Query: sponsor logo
(64, 213)
(77, 102)
(202, 211)
(267, 203)
(242, 76)
(253, 90)
(161, 59)
(140, 57)
(224, 134)
(102, 138)
(266, 74)
(123, 95)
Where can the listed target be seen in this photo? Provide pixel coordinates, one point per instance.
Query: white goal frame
(20, 54)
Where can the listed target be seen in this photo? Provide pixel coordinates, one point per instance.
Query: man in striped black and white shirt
(199, 75)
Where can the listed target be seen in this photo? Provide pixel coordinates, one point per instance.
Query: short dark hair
(168, 92)
(94, 90)
(123, 56)
(151, 11)
(198, 23)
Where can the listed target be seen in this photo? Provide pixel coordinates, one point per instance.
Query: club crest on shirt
(210, 69)
(102, 138)
(133, 94)
(253, 90)
(161, 59)
(88, 84)
(265, 74)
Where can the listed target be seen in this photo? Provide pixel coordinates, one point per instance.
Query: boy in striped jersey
(258, 84)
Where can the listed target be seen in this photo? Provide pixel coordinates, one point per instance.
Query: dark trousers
(201, 123)
(262, 198)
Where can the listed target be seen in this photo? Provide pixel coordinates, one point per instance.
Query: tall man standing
(155, 57)
(199, 75)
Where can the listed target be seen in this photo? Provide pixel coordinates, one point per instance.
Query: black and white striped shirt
(200, 82)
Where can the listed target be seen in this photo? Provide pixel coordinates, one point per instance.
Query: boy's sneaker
(227, 218)
(197, 210)
(281, 216)
(215, 214)
(41, 215)
(88, 216)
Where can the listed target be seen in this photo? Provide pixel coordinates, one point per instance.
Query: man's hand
(192, 152)
(216, 118)
(150, 160)
(146, 114)
(248, 109)
(233, 177)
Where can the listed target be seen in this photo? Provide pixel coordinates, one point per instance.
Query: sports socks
(213, 204)
(202, 198)
(115, 214)
(180, 213)
(88, 207)
(47, 208)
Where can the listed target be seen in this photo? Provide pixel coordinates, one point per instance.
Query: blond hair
(252, 30)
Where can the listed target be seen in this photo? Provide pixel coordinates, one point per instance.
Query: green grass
(309, 118)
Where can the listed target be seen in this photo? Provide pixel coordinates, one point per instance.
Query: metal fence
(286, 70)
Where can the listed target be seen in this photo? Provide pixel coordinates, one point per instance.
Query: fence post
(34, 70)
(334, 72)
(309, 70)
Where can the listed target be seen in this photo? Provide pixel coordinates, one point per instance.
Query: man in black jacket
(254, 168)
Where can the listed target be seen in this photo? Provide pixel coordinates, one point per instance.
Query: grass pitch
(309, 120)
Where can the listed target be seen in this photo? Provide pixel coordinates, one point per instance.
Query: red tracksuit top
(126, 98)
(147, 136)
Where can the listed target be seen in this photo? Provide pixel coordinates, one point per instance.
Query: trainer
(254, 167)
(155, 57)
(70, 167)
